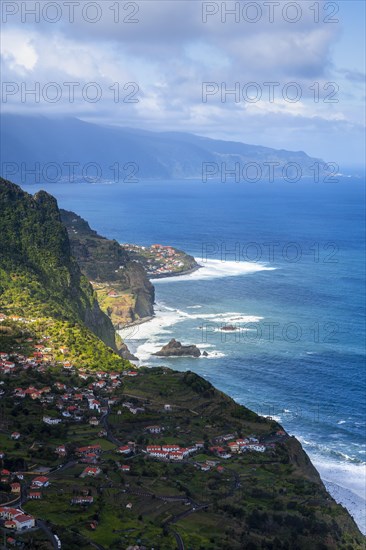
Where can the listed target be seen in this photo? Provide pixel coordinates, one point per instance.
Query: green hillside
(40, 280)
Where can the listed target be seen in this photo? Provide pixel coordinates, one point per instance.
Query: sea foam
(213, 269)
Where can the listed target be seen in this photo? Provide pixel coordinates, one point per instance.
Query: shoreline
(335, 486)
(353, 503)
(175, 274)
(151, 317)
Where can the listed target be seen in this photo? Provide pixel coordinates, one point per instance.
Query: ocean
(284, 265)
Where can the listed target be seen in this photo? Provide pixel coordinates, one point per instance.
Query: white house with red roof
(16, 519)
(124, 450)
(152, 448)
(94, 405)
(91, 471)
(23, 522)
(40, 481)
(159, 454)
(176, 455)
(170, 448)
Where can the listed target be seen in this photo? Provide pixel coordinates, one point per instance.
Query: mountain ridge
(129, 155)
(104, 261)
(39, 278)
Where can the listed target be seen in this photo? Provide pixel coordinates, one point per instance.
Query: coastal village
(96, 427)
(161, 261)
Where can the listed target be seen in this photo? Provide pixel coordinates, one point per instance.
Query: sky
(282, 74)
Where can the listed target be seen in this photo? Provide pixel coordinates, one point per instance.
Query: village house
(124, 450)
(233, 446)
(159, 454)
(255, 447)
(16, 519)
(34, 495)
(21, 522)
(176, 455)
(94, 405)
(170, 448)
(112, 294)
(81, 451)
(152, 448)
(8, 513)
(15, 436)
(91, 471)
(16, 488)
(154, 429)
(220, 451)
(5, 476)
(51, 421)
(125, 468)
(40, 481)
(61, 451)
(82, 500)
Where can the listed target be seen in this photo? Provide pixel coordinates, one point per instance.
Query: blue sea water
(298, 353)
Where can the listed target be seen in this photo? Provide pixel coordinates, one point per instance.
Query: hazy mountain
(125, 154)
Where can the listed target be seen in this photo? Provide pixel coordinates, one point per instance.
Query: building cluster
(157, 259)
(172, 452)
(16, 519)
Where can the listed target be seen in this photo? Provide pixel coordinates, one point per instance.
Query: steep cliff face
(38, 275)
(123, 288)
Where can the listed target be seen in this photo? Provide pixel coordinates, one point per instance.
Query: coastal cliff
(207, 473)
(39, 277)
(123, 288)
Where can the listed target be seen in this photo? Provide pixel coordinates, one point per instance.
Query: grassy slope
(39, 279)
(280, 501)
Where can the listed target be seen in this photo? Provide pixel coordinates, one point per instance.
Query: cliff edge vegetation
(40, 280)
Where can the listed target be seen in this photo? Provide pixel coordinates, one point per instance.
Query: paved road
(178, 538)
(42, 525)
(110, 436)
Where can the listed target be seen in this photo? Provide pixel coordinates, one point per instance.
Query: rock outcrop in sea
(176, 349)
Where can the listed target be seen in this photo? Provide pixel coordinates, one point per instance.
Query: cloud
(169, 53)
(19, 51)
